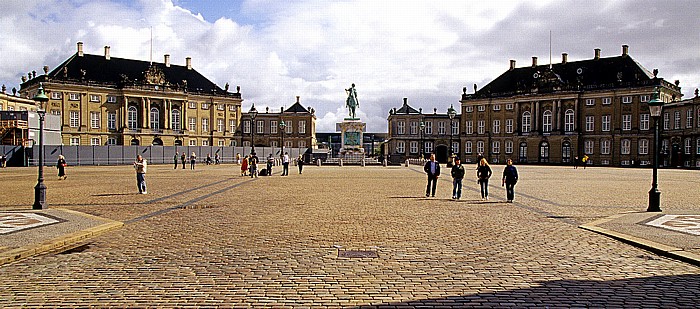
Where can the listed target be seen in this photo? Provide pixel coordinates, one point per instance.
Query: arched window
(175, 118)
(526, 122)
(544, 152)
(132, 118)
(547, 121)
(566, 152)
(522, 154)
(155, 118)
(569, 120)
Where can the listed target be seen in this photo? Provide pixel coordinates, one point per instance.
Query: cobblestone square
(209, 238)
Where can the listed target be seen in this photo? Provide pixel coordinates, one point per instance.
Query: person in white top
(285, 164)
(141, 166)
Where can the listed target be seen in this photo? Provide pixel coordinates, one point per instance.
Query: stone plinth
(352, 130)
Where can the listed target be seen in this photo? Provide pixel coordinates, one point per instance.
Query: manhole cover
(357, 254)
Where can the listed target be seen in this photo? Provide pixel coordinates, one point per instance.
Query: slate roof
(296, 108)
(603, 73)
(121, 72)
(406, 109)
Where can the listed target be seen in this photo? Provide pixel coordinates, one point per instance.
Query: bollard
(318, 162)
(384, 163)
(340, 162)
(362, 163)
(407, 163)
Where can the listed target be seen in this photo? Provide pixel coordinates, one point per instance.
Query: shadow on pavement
(654, 292)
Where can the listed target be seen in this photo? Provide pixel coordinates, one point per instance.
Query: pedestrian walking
(584, 161)
(253, 163)
(244, 167)
(216, 159)
(285, 164)
(141, 166)
(193, 160)
(208, 161)
(238, 158)
(175, 158)
(300, 163)
(576, 162)
(183, 157)
(61, 166)
(510, 178)
(432, 168)
(483, 173)
(3, 161)
(270, 162)
(457, 176)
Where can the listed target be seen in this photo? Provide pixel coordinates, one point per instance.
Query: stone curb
(655, 247)
(61, 243)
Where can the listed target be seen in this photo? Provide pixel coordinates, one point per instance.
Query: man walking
(141, 166)
(253, 163)
(432, 168)
(457, 176)
(285, 164)
(177, 156)
(183, 157)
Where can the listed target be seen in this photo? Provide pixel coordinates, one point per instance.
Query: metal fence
(118, 155)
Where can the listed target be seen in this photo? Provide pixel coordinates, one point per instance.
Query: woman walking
(193, 160)
(61, 166)
(510, 178)
(244, 166)
(483, 172)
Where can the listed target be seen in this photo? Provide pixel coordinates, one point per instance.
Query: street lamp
(655, 107)
(283, 126)
(421, 149)
(253, 113)
(40, 188)
(451, 113)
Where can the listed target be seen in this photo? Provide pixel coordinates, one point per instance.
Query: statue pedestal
(351, 136)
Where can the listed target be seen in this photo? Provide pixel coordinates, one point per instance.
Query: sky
(426, 51)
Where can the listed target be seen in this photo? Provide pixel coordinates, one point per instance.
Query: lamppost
(40, 188)
(451, 113)
(655, 107)
(421, 148)
(253, 113)
(283, 126)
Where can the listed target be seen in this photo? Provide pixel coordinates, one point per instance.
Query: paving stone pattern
(209, 237)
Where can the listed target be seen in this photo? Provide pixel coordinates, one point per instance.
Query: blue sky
(423, 50)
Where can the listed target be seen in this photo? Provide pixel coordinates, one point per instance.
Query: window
(401, 127)
(455, 147)
(590, 123)
(605, 123)
(468, 146)
(588, 147)
(644, 121)
(697, 146)
(643, 146)
(481, 127)
(111, 121)
(496, 126)
(111, 141)
(526, 122)
(509, 147)
(205, 125)
(132, 116)
(625, 146)
(302, 127)
(193, 142)
(232, 108)
(689, 118)
(274, 144)
(469, 109)
(667, 121)
(509, 106)
(246, 143)
(55, 95)
(260, 127)
(74, 119)
(232, 125)
(455, 128)
(94, 98)
(481, 108)
(220, 107)
(53, 111)
(509, 125)
(480, 146)
(626, 122)
(302, 144)
(94, 120)
(590, 102)
(414, 127)
(496, 147)
(428, 147)
(605, 147)
(289, 129)
(547, 121)
(644, 98)
(111, 99)
(175, 119)
(205, 142)
(677, 120)
(688, 145)
(414, 147)
(192, 124)
(155, 118)
(75, 141)
(523, 152)
(627, 99)
(401, 147)
(95, 141)
(221, 143)
(607, 101)
(273, 127)
(205, 105)
(74, 96)
(566, 151)
(569, 120)
(497, 107)
(220, 125)
(288, 144)
(441, 128)
(192, 104)
(428, 127)
(470, 127)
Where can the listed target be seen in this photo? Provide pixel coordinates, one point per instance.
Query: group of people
(183, 158)
(249, 165)
(483, 174)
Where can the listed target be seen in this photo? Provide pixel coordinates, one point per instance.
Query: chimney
(597, 54)
(512, 64)
(297, 99)
(167, 60)
(625, 50)
(405, 101)
(188, 63)
(534, 62)
(107, 53)
(80, 49)
(564, 58)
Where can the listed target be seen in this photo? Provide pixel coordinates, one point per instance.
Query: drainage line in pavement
(186, 191)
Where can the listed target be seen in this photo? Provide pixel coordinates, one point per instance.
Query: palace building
(294, 127)
(104, 100)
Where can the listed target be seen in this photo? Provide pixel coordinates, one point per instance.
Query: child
(457, 176)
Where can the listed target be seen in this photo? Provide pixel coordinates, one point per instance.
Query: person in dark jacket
(300, 163)
(510, 178)
(183, 157)
(483, 173)
(432, 168)
(457, 176)
(175, 158)
(61, 166)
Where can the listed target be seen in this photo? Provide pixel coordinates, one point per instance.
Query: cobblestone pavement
(212, 238)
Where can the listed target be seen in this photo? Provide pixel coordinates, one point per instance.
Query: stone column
(166, 114)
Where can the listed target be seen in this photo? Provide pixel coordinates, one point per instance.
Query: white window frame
(667, 121)
(481, 108)
(74, 96)
(605, 146)
(429, 147)
(260, 127)
(175, 120)
(455, 127)
(220, 107)
(400, 147)
(590, 102)
(111, 99)
(220, 125)
(497, 107)
(94, 120)
(132, 118)
(481, 127)
(302, 126)
(205, 142)
(509, 147)
(273, 126)
(205, 106)
(95, 141)
(455, 147)
(676, 120)
(428, 127)
(401, 127)
(75, 141)
(626, 122)
(644, 122)
(547, 121)
(588, 146)
(627, 99)
(413, 127)
(496, 126)
(605, 123)
(111, 141)
(644, 98)
(56, 95)
(469, 127)
(111, 121)
(289, 129)
(221, 143)
(509, 126)
(496, 147)
(697, 146)
(95, 98)
(413, 147)
(469, 109)
(74, 119)
(688, 145)
(643, 146)
(509, 106)
(569, 120)
(232, 125)
(526, 122)
(606, 101)
(301, 144)
(155, 118)
(590, 123)
(192, 105)
(468, 146)
(441, 128)
(689, 118)
(480, 147)
(625, 146)
(192, 124)
(205, 125)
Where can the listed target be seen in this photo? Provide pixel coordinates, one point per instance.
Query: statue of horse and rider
(352, 102)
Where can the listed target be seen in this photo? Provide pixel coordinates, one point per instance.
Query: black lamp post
(40, 188)
(655, 107)
(253, 113)
(283, 126)
(421, 148)
(451, 113)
